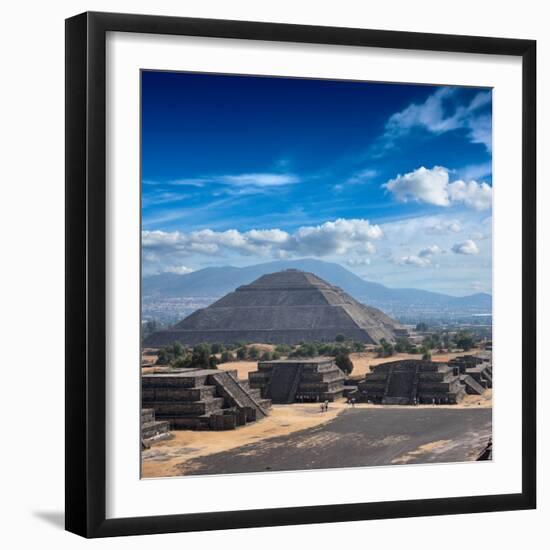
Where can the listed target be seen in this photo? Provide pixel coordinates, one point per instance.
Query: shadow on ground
(56, 519)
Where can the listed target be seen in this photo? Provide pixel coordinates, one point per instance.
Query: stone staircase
(201, 399)
(471, 386)
(239, 396)
(283, 384)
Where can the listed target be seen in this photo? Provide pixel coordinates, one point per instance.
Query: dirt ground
(168, 458)
(242, 368)
(163, 457)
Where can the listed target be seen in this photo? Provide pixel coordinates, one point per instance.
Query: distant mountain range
(215, 282)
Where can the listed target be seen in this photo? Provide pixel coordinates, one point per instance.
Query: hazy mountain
(217, 281)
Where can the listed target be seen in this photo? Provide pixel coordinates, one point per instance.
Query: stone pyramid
(286, 307)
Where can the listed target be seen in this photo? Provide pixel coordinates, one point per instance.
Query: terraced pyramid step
(200, 399)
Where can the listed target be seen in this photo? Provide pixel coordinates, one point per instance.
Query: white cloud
(442, 113)
(442, 228)
(178, 269)
(258, 179)
(468, 247)
(415, 261)
(333, 237)
(473, 194)
(432, 186)
(267, 236)
(251, 182)
(430, 251)
(481, 131)
(475, 171)
(362, 176)
(422, 185)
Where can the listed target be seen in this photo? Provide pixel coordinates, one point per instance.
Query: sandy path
(162, 459)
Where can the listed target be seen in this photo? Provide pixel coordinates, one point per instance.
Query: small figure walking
(326, 405)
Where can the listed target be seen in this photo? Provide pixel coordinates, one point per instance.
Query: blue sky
(392, 181)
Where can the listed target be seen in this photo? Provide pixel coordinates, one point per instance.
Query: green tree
(266, 356)
(283, 349)
(216, 348)
(253, 353)
(402, 345)
(358, 347)
(241, 354)
(340, 338)
(169, 353)
(464, 340)
(426, 353)
(386, 349)
(344, 363)
(181, 362)
(201, 356)
(421, 327)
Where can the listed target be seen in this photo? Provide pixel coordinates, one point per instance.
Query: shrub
(344, 363)
(283, 349)
(169, 353)
(386, 348)
(464, 340)
(216, 348)
(402, 345)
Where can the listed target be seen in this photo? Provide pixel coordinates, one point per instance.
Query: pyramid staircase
(283, 384)
(202, 399)
(240, 396)
(471, 385)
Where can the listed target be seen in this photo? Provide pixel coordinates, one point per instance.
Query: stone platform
(412, 381)
(478, 367)
(202, 399)
(298, 380)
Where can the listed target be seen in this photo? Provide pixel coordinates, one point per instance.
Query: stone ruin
(412, 381)
(298, 380)
(477, 368)
(153, 430)
(287, 307)
(202, 399)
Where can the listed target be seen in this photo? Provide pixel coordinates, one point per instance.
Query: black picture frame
(86, 267)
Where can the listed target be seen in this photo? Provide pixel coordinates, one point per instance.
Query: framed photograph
(300, 274)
